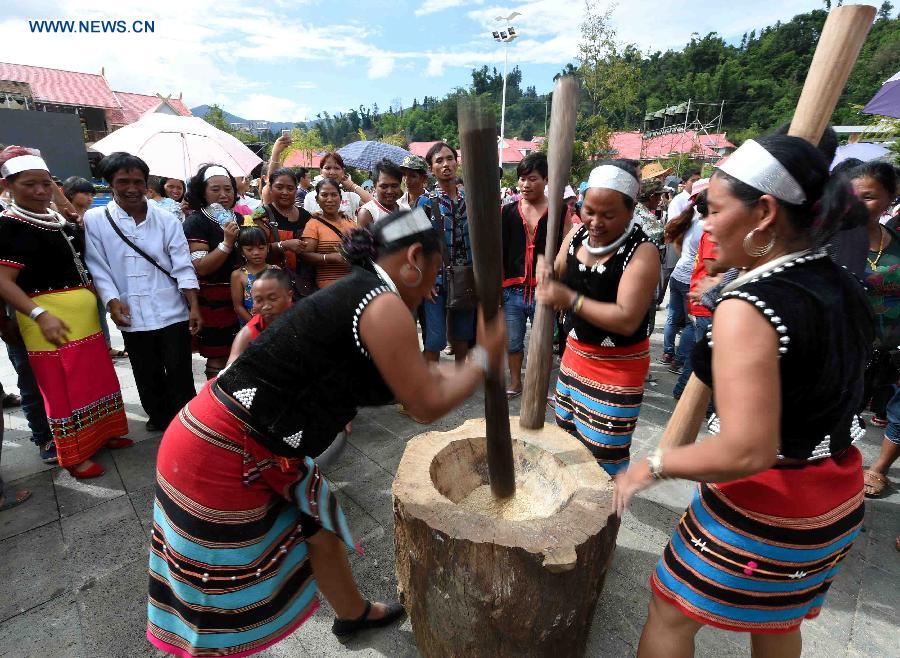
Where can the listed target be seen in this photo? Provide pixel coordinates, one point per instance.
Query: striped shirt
(328, 242)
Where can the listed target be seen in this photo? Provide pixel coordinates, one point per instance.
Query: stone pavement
(74, 558)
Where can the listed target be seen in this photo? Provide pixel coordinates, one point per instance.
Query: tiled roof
(63, 87)
(134, 106)
(512, 154)
(632, 146)
(303, 159)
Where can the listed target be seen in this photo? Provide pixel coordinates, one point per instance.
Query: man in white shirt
(152, 298)
(683, 199)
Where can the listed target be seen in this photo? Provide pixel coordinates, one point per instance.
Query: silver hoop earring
(757, 252)
(417, 282)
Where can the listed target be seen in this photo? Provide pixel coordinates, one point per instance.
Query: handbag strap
(329, 225)
(137, 249)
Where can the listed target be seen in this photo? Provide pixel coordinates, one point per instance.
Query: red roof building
(134, 106)
(307, 159)
(513, 152)
(87, 95)
(632, 145)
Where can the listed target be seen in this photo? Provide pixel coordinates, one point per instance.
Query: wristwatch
(654, 460)
(479, 356)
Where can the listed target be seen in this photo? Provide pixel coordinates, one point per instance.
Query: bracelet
(324, 260)
(35, 312)
(280, 246)
(224, 247)
(654, 461)
(479, 357)
(578, 303)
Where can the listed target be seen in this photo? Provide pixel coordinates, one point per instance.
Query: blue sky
(286, 60)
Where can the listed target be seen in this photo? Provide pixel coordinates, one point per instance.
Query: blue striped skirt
(598, 398)
(229, 567)
(758, 555)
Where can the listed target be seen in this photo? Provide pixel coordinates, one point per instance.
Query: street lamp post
(505, 37)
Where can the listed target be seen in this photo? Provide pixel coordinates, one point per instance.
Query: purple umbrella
(887, 101)
(860, 150)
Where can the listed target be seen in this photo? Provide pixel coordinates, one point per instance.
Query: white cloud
(381, 66)
(554, 26)
(435, 67)
(434, 6)
(272, 108)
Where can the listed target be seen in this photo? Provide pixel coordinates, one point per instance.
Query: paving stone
(137, 464)
(832, 630)
(75, 495)
(34, 569)
(101, 539)
(372, 490)
(875, 625)
(51, 630)
(20, 456)
(621, 611)
(142, 502)
(38, 510)
(715, 643)
(113, 611)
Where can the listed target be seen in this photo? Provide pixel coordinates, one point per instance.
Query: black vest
(307, 374)
(826, 330)
(515, 244)
(601, 283)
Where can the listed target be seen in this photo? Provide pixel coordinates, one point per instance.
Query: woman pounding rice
(608, 270)
(245, 526)
(781, 494)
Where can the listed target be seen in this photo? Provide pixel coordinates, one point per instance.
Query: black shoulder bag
(459, 280)
(137, 249)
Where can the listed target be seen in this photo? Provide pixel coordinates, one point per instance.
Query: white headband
(407, 224)
(753, 165)
(215, 170)
(610, 177)
(22, 163)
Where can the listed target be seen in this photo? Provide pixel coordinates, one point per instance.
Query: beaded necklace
(42, 220)
(50, 220)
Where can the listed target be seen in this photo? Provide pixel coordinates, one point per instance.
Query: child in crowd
(272, 295)
(254, 249)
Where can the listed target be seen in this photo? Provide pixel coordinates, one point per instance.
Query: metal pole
(503, 106)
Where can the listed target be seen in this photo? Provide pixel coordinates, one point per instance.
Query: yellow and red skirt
(78, 382)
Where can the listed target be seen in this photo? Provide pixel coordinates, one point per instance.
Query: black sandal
(344, 628)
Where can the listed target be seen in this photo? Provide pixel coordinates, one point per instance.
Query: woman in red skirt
(245, 527)
(781, 494)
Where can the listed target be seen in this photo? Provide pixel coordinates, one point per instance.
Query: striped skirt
(77, 381)
(598, 397)
(220, 322)
(229, 568)
(759, 554)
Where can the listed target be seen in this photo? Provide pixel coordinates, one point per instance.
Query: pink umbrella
(176, 146)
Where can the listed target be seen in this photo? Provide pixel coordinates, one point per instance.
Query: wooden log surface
(481, 585)
(478, 139)
(559, 164)
(842, 37)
